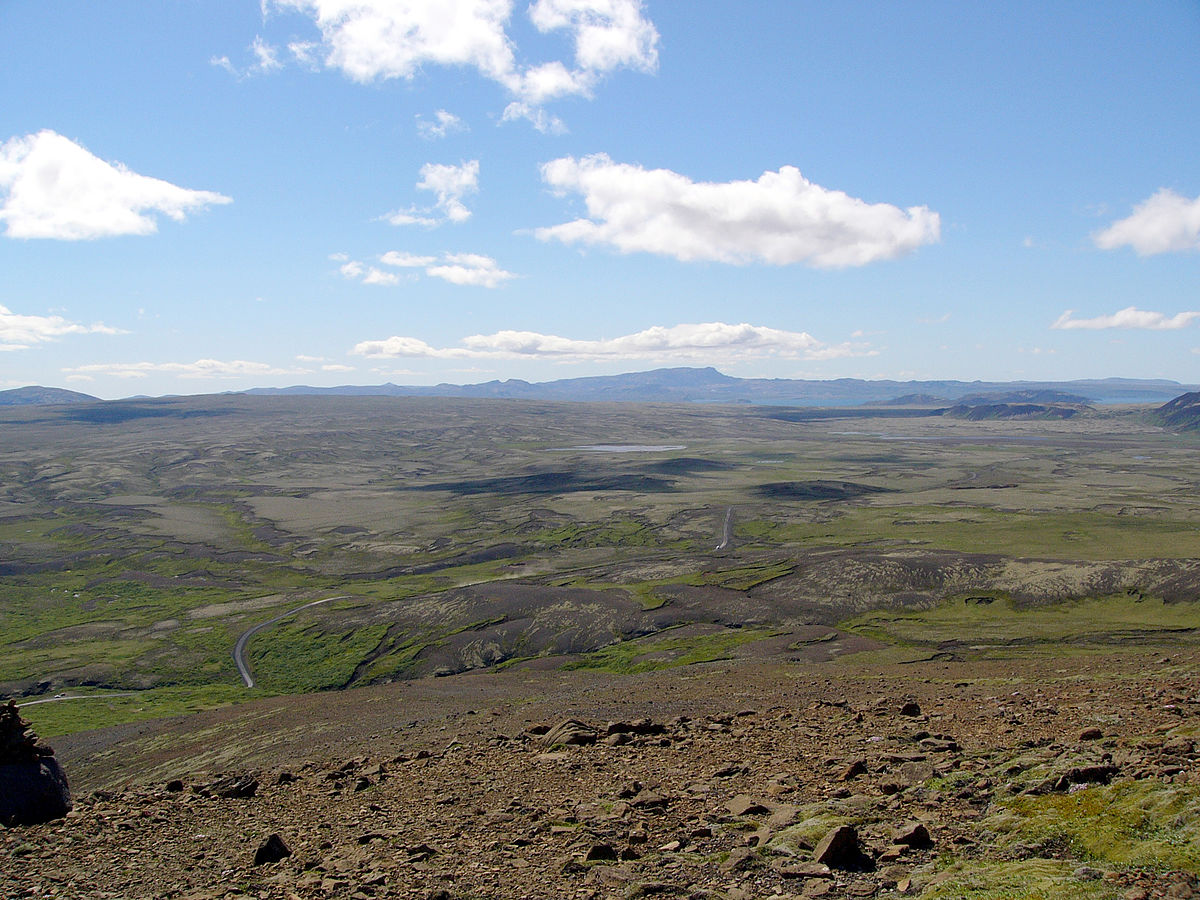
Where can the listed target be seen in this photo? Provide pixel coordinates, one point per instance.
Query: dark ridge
(1180, 414)
(816, 490)
(688, 465)
(984, 411)
(551, 483)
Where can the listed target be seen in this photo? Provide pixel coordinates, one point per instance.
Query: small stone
(839, 849)
(915, 835)
(745, 805)
(911, 708)
(1091, 734)
(601, 852)
(272, 850)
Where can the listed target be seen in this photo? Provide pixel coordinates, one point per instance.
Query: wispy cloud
(709, 341)
(368, 40)
(449, 184)
(201, 368)
(18, 332)
(780, 219)
(445, 123)
(471, 269)
(51, 187)
(266, 60)
(1129, 317)
(1166, 222)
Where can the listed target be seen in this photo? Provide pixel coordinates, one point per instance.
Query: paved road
(727, 534)
(239, 649)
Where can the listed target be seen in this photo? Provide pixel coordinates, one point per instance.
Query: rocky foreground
(982, 779)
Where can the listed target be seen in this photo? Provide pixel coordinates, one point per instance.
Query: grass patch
(1001, 622)
(301, 657)
(99, 711)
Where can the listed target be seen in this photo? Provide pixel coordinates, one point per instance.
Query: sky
(210, 195)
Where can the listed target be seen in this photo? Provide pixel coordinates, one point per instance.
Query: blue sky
(209, 195)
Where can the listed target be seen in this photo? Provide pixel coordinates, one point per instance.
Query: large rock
(33, 786)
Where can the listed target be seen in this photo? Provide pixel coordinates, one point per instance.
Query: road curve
(239, 649)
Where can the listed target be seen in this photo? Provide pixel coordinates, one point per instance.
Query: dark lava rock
(840, 850)
(33, 786)
(915, 835)
(272, 850)
(235, 787)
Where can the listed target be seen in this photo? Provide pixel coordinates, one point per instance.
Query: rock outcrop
(33, 786)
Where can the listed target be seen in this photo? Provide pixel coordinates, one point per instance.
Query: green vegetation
(1128, 823)
(299, 657)
(1027, 879)
(100, 710)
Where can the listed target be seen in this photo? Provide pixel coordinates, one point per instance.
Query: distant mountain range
(36, 395)
(707, 385)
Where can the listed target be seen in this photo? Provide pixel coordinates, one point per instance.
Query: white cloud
(1129, 317)
(449, 184)
(406, 260)
(1164, 223)
(471, 269)
(51, 187)
(18, 332)
(706, 341)
(781, 219)
(447, 123)
(336, 367)
(380, 39)
(201, 368)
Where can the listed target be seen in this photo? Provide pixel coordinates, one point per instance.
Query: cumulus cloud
(201, 368)
(1164, 223)
(18, 332)
(449, 184)
(446, 123)
(470, 269)
(780, 219)
(50, 187)
(1129, 317)
(706, 341)
(369, 40)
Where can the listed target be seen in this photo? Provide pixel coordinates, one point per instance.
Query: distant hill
(37, 395)
(707, 385)
(979, 412)
(1180, 414)
(1043, 395)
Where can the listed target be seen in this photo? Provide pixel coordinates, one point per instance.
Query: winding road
(239, 649)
